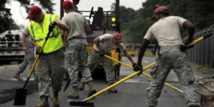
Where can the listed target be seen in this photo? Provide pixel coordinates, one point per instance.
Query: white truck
(11, 46)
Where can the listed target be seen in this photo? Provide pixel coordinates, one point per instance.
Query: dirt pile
(206, 89)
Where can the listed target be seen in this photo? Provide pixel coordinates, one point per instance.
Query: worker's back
(76, 22)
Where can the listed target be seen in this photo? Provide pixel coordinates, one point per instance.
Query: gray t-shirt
(76, 23)
(166, 31)
(28, 38)
(106, 43)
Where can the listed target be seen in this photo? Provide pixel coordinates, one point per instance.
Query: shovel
(21, 93)
(167, 84)
(86, 102)
(90, 104)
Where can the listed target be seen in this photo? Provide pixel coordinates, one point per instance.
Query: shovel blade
(81, 103)
(20, 97)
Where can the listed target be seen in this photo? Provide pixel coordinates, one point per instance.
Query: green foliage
(47, 4)
(199, 12)
(5, 17)
(136, 30)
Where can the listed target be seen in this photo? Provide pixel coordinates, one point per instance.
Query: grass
(202, 70)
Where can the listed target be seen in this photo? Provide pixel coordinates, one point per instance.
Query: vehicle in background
(131, 48)
(104, 22)
(11, 46)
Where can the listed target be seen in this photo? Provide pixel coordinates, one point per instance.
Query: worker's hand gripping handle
(137, 68)
(52, 25)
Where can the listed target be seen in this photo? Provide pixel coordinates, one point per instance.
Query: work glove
(188, 41)
(102, 53)
(137, 67)
(38, 49)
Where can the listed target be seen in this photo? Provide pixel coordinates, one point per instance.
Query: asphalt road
(131, 93)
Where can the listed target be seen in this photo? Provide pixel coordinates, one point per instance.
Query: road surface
(131, 93)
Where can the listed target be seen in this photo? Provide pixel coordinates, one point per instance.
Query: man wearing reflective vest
(51, 56)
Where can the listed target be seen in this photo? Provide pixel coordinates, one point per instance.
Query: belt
(166, 48)
(77, 38)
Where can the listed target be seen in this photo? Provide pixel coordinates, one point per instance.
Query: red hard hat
(161, 9)
(67, 3)
(117, 36)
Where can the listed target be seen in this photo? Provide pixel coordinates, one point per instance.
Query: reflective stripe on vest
(54, 42)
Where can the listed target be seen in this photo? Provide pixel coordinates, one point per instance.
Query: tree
(7, 23)
(199, 12)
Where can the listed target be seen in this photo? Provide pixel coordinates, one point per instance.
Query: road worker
(103, 45)
(29, 57)
(171, 55)
(75, 3)
(76, 53)
(51, 55)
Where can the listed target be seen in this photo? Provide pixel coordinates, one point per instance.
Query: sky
(19, 13)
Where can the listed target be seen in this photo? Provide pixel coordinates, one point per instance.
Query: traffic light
(113, 23)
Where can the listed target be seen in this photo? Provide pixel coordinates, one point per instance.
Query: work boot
(74, 94)
(81, 86)
(91, 89)
(55, 100)
(16, 76)
(44, 102)
(112, 90)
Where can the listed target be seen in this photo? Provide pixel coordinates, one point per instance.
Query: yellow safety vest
(54, 41)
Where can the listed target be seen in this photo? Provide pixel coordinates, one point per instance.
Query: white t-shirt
(76, 23)
(166, 31)
(106, 43)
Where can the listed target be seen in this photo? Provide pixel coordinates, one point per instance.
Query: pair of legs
(176, 60)
(46, 69)
(94, 60)
(76, 61)
(28, 61)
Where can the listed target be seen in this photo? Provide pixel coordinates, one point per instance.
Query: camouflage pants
(76, 58)
(50, 66)
(172, 58)
(28, 60)
(95, 59)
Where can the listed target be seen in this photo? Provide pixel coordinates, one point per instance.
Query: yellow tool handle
(195, 41)
(167, 84)
(117, 83)
(36, 60)
(135, 73)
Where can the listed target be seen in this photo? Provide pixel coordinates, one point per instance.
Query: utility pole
(117, 14)
(61, 9)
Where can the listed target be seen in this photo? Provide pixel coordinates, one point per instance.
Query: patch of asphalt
(8, 94)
